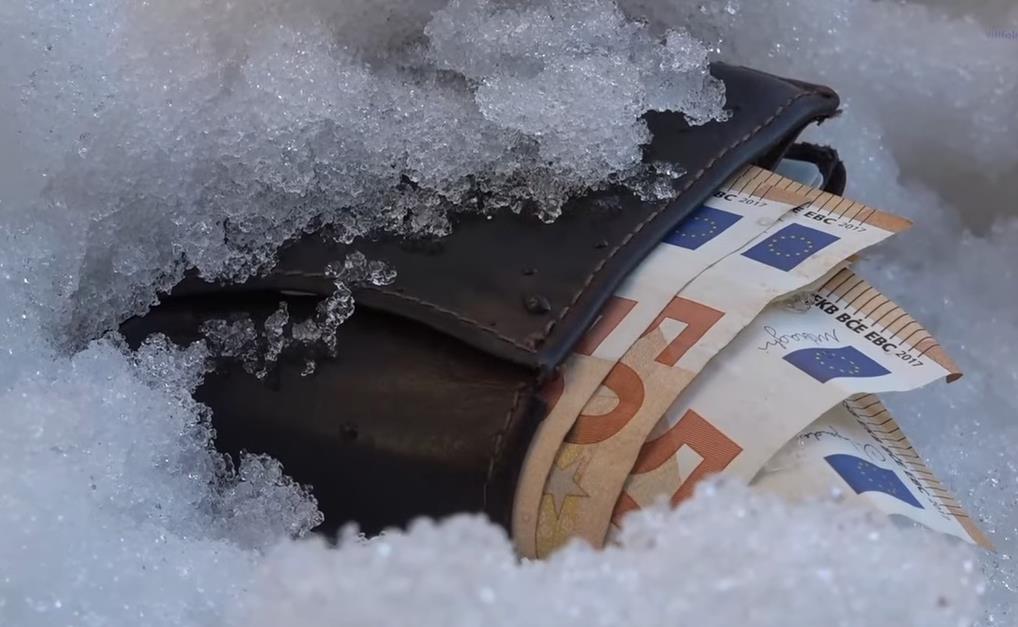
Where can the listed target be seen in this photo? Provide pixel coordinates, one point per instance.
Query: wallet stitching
(423, 303)
(550, 327)
(496, 452)
(457, 316)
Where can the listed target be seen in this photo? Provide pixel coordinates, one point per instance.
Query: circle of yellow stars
(712, 228)
(808, 245)
(880, 481)
(847, 367)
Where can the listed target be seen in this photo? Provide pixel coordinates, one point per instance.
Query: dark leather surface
(429, 406)
(400, 423)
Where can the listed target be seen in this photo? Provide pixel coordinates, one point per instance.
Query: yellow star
(561, 484)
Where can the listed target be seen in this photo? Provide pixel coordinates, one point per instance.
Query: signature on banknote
(784, 340)
(827, 432)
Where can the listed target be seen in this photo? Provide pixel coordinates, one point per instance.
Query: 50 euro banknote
(859, 449)
(591, 462)
(739, 212)
(795, 362)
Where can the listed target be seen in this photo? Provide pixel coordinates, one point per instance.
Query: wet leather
(430, 403)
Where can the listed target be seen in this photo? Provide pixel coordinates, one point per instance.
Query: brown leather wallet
(430, 403)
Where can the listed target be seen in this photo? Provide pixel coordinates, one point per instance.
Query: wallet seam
(496, 452)
(457, 316)
(424, 303)
(653, 215)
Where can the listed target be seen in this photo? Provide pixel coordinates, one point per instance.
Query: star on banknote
(562, 483)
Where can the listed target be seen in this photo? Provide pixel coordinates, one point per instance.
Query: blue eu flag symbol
(700, 227)
(790, 246)
(824, 364)
(863, 476)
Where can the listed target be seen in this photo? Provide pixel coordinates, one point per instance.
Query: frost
(258, 352)
(237, 339)
(275, 336)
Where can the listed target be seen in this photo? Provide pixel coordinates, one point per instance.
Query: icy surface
(149, 137)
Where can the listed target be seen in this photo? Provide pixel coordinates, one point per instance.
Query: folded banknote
(857, 449)
(818, 232)
(702, 363)
(792, 364)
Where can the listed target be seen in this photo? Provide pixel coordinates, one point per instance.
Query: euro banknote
(858, 449)
(790, 366)
(736, 214)
(584, 482)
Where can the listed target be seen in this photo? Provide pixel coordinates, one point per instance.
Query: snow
(144, 138)
(673, 568)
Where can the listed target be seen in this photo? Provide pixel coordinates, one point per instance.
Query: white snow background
(140, 138)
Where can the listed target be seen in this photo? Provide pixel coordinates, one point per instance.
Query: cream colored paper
(585, 480)
(859, 450)
(789, 367)
(735, 215)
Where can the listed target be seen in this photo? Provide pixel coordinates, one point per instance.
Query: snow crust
(144, 138)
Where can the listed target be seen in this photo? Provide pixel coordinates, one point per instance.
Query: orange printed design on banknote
(749, 204)
(788, 367)
(644, 381)
(795, 252)
(689, 450)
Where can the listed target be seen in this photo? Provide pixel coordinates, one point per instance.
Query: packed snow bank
(148, 137)
(730, 557)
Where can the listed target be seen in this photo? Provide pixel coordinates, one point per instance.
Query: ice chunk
(237, 339)
(339, 306)
(275, 337)
(574, 76)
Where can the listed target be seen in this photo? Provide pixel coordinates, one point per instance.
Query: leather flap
(526, 291)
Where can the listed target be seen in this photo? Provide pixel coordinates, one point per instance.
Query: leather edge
(508, 451)
(826, 158)
(804, 108)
